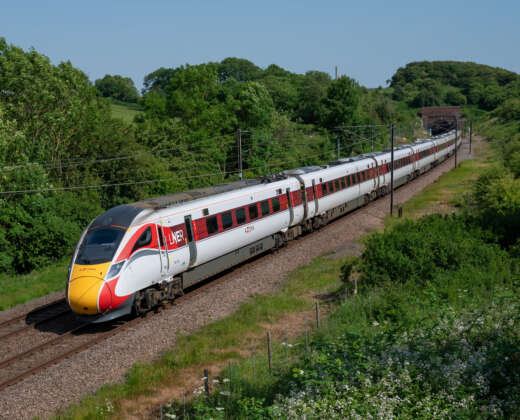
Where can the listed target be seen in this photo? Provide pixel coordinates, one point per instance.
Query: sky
(368, 40)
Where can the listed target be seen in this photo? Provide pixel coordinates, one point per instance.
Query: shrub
(419, 250)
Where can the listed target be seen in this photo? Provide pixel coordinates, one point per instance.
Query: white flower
(225, 380)
(216, 381)
(226, 393)
(375, 323)
(170, 416)
(219, 408)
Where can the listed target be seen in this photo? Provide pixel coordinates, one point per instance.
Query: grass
(215, 342)
(18, 289)
(445, 194)
(124, 112)
(410, 348)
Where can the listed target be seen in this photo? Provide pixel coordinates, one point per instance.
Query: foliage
(442, 348)
(57, 133)
(432, 83)
(420, 251)
(52, 128)
(496, 201)
(117, 87)
(341, 103)
(237, 68)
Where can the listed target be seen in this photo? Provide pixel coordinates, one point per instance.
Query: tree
(158, 80)
(454, 97)
(117, 87)
(240, 69)
(341, 106)
(313, 91)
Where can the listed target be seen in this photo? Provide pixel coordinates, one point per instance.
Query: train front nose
(85, 284)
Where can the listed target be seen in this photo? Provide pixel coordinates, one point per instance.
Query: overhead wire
(79, 187)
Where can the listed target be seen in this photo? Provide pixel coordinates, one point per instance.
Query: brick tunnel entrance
(439, 119)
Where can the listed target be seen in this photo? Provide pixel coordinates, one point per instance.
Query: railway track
(83, 336)
(79, 337)
(33, 318)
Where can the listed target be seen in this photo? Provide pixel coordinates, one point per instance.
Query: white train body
(133, 256)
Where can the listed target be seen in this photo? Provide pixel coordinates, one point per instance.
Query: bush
(496, 196)
(419, 251)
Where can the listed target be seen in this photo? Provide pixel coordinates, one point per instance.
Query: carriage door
(192, 246)
(163, 251)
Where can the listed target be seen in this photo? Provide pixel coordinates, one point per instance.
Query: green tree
(117, 87)
(312, 93)
(341, 106)
(158, 80)
(239, 69)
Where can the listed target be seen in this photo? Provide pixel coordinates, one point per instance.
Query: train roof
(303, 170)
(182, 197)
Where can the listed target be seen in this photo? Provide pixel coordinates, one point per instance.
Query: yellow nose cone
(84, 286)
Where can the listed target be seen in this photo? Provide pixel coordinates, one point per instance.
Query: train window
(348, 181)
(99, 246)
(331, 187)
(146, 238)
(276, 204)
(212, 224)
(324, 189)
(336, 184)
(361, 176)
(253, 211)
(343, 183)
(227, 220)
(205, 212)
(240, 215)
(264, 205)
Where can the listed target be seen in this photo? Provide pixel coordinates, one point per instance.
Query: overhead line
(80, 187)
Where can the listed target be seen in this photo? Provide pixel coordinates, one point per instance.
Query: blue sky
(368, 40)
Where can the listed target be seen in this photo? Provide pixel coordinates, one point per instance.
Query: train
(136, 256)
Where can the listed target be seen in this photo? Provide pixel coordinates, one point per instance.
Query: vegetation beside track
(22, 288)
(433, 333)
(396, 309)
(217, 342)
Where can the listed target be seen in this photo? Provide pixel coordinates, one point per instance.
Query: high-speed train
(134, 256)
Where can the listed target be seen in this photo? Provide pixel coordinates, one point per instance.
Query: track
(78, 336)
(33, 318)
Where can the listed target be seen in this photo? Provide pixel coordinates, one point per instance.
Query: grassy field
(444, 195)
(18, 289)
(125, 112)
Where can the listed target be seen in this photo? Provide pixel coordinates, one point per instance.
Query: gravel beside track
(60, 385)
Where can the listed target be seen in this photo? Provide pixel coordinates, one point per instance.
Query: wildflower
(170, 416)
(203, 378)
(216, 381)
(219, 408)
(375, 324)
(226, 380)
(225, 393)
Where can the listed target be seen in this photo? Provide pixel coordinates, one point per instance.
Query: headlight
(115, 269)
